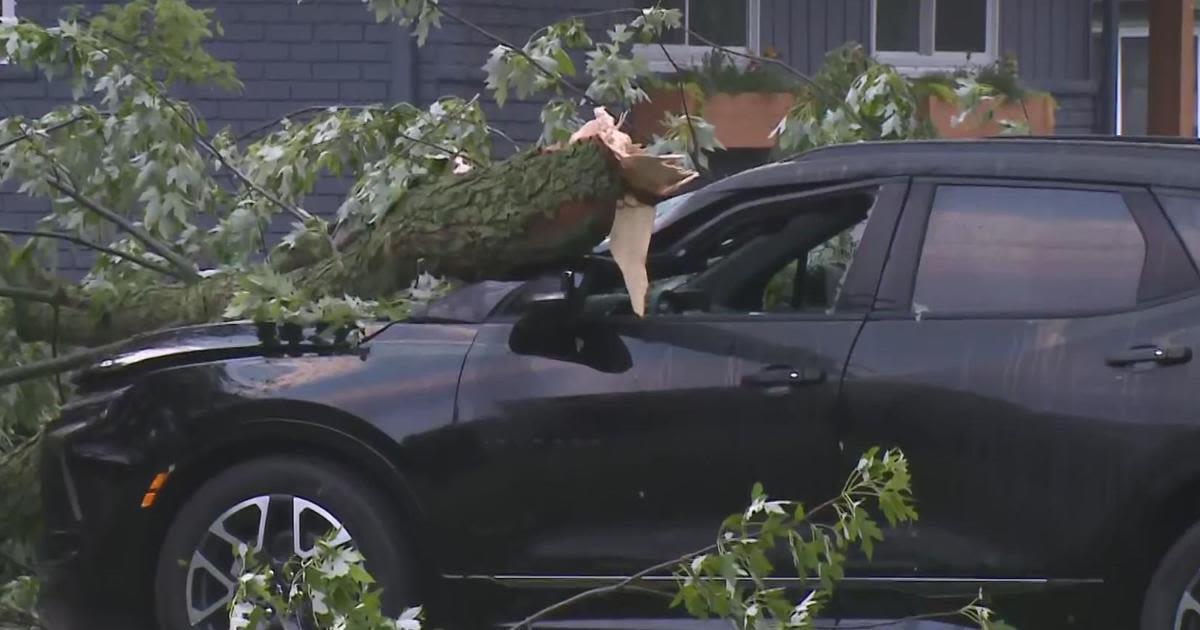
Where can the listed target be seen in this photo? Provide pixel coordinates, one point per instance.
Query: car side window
(812, 282)
(1184, 213)
(786, 255)
(998, 250)
(793, 259)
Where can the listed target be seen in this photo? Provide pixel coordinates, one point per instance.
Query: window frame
(8, 15)
(1143, 32)
(928, 57)
(1159, 282)
(692, 55)
(862, 279)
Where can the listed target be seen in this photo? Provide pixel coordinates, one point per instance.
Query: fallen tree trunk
(531, 210)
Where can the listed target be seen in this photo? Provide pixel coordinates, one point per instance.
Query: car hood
(189, 344)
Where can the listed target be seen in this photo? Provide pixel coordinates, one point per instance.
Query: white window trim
(1141, 32)
(690, 55)
(912, 62)
(8, 15)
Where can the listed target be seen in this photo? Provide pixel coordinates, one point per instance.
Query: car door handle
(1150, 354)
(784, 376)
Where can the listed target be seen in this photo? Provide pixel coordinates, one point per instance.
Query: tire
(364, 512)
(1178, 572)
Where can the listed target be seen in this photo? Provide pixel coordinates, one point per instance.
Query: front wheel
(1172, 600)
(280, 507)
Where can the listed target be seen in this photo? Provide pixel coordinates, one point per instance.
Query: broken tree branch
(55, 298)
(187, 271)
(57, 365)
(133, 258)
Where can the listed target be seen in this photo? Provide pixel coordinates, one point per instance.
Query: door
(1030, 349)
(628, 444)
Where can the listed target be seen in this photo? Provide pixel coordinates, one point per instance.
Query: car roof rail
(1084, 137)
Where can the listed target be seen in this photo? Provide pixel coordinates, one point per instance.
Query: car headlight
(84, 411)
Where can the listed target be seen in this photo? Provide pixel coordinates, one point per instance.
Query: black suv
(1019, 316)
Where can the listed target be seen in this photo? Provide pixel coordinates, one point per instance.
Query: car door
(634, 450)
(1029, 350)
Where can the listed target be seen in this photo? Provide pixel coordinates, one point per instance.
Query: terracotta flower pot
(1036, 110)
(745, 121)
(742, 121)
(646, 119)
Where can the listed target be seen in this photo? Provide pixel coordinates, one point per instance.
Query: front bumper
(98, 547)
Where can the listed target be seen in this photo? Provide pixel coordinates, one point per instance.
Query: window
(1184, 213)
(924, 33)
(1028, 250)
(733, 24)
(813, 281)
(786, 255)
(1133, 77)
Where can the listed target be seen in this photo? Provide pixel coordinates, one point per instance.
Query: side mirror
(684, 301)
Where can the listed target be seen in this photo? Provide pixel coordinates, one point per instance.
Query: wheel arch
(1165, 504)
(270, 428)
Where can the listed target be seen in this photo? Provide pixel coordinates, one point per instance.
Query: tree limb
(186, 270)
(299, 213)
(133, 258)
(56, 298)
(520, 50)
(58, 365)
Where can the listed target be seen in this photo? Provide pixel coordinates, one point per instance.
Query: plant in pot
(984, 101)
(743, 101)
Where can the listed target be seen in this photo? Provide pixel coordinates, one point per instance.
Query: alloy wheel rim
(276, 528)
(1187, 613)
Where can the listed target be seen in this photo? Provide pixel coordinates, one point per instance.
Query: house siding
(452, 59)
(291, 55)
(802, 32)
(288, 55)
(1052, 42)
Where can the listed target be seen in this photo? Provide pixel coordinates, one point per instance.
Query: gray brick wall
(288, 55)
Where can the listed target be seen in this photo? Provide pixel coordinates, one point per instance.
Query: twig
(133, 258)
(840, 100)
(58, 365)
(891, 622)
(527, 623)
(303, 111)
(520, 50)
(694, 145)
(29, 134)
(298, 213)
(187, 271)
(56, 298)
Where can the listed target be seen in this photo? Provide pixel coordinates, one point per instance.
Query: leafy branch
(115, 253)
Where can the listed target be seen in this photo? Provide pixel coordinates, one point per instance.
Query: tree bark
(534, 209)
